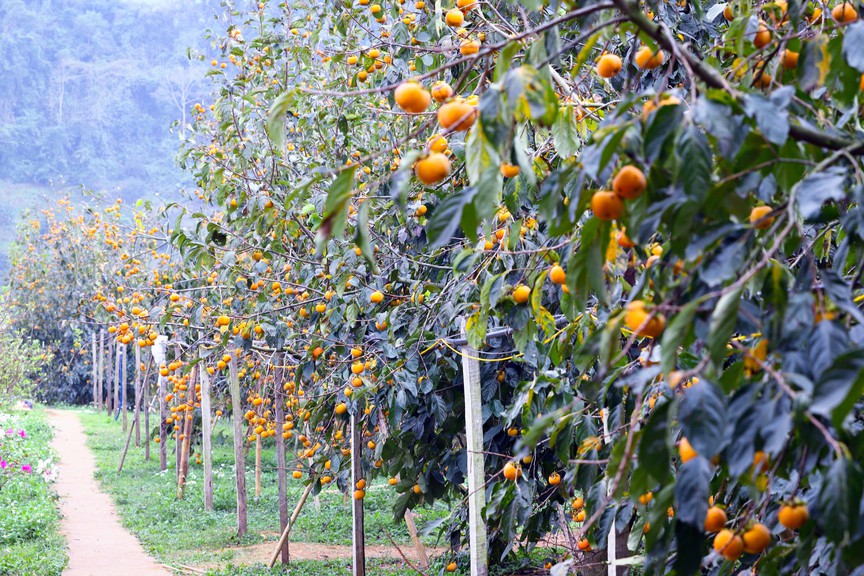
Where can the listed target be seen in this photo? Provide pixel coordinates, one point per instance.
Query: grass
(30, 544)
(181, 532)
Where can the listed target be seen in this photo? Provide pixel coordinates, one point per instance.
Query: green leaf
(840, 387)
(722, 324)
(480, 154)
(275, 125)
(694, 162)
(814, 63)
(504, 60)
(675, 334)
(475, 329)
(336, 208)
(586, 264)
(661, 127)
(446, 217)
(529, 96)
(486, 197)
(565, 133)
(361, 237)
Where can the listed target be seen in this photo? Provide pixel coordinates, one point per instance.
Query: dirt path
(97, 543)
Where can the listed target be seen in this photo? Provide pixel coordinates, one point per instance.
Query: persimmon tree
(647, 217)
(57, 263)
(648, 213)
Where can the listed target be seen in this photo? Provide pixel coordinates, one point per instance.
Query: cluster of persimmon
(137, 326)
(751, 536)
(609, 65)
(456, 114)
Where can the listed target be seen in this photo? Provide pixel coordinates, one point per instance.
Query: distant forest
(91, 88)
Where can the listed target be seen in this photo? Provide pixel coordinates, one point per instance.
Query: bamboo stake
(284, 538)
(239, 463)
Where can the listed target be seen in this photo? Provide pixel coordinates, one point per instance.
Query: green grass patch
(180, 531)
(30, 543)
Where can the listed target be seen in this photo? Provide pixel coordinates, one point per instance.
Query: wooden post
(283, 540)
(257, 466)
(281, 465)
(116, 402)
(95, 368)
(359, 544)
(187, 436)
(239, 463)
(158, 361)
(109, 373)
(136, 416)
(145, 399)
(409, 515)
(206, 434)
(101, 373)
(124, 371)
(178, 443)
(476, 472)
(128, 436)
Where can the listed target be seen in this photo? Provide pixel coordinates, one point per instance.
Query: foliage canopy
(682, 331)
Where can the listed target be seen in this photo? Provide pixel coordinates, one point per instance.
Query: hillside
(91, 90)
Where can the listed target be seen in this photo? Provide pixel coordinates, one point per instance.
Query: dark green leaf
(817, 188)
(836, 392)
(770, 114)
(703, 418)
(654, 447)
(694, 162)
(853, 45)
(691, 491)
(723, 321)
(675, 333)
(834, 512)
(446, 217)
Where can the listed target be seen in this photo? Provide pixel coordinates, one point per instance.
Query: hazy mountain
(90, 89)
